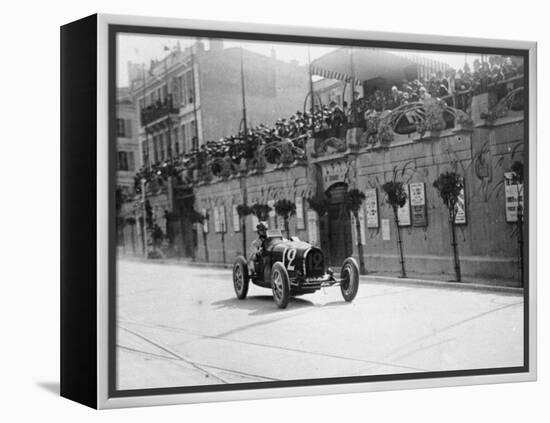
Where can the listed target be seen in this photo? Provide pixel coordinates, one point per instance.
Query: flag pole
(169, 123)
(311, 90)
(246, 146)
(144, 80)
(243, 94)
(195, 114)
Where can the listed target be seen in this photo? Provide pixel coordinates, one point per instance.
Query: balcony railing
(157, 111)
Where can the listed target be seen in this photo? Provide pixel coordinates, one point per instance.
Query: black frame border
(115, 29)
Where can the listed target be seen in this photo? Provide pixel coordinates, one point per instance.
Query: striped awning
(364, 64)
(331, 74)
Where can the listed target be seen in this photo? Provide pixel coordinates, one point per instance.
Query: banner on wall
(513, 194)
(418, 204)
(404, 213)
(312, 227)
(460, 208)
(300, 224)
(371, 204)
(236, 220)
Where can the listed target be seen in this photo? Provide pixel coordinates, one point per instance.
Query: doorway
(339, 235)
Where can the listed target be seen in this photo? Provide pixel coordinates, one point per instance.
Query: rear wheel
(280, 284)
(240, 278)
(349, 276)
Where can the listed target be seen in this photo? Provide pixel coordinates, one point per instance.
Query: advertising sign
(418, 204)
(513, 194)
(223, 223)
(460, 216)
(205, 221)
(371, 204)
(216, 219)
(312, 227)
(271, 214)
(404, 213)
(300, 224)
(236, 220)
(361, 214)
(386, 229)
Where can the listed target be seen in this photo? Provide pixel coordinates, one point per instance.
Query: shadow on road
(260, 305)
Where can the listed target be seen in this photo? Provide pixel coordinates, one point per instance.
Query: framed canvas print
(256, 211)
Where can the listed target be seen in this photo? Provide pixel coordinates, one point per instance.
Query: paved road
(181, 326)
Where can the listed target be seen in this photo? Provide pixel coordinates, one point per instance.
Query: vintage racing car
(292, 267)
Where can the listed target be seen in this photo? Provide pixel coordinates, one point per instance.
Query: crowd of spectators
(333, 117)
(235, 149)
(444, 85)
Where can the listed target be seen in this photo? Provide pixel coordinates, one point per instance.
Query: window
(122, 161)
(120, 128)
(193, 130)
(144, 152)
(190, 89)
(161, 146)
(155, 148)
(131, 162)
(176, 141)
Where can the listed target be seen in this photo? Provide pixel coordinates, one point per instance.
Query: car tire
(241, 278)
(280, 285)
(349, 276)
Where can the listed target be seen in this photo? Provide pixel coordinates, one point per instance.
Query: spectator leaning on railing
(326, 118)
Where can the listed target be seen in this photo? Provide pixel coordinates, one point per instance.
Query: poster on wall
(513, 197)
(223, 223)
(216, 219)
(404, 213)
(281, 224)
(460, 209)
(418, 204)
(361, 215)
(255, 221)
(236, 219)
(271, 215)
(371, 204)
(312, 227)
(300, 224)
(205, 221)
(386, 229)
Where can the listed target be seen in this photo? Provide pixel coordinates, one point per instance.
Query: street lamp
(143, 200)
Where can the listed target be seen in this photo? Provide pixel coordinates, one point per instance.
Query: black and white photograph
(291, 213)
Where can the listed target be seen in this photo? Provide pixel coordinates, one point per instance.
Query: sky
(141, 48)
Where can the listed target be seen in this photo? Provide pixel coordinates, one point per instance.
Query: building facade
(483, 143)
(192, 96)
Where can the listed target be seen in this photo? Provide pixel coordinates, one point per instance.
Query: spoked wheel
(240, 278)
(280, 284)
(350, 279)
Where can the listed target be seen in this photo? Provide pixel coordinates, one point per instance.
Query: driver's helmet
(261, 228)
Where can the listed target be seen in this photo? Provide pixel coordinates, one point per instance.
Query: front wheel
(240, 277)
(349, 276)
(280, 284)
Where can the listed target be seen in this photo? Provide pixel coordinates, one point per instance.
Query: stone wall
(487, 243)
